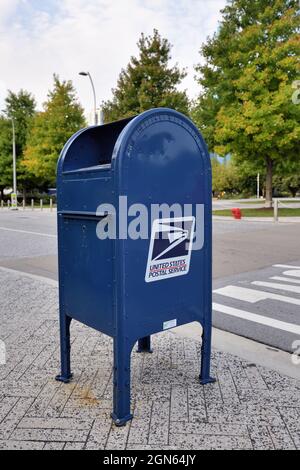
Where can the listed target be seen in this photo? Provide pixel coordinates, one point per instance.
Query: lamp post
(14, 201)
(87, 74)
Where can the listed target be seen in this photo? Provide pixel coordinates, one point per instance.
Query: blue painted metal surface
(158, 157)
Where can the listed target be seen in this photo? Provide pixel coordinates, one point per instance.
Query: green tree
(246, 107)
(218, 176)
(287, 185)
(62, 117)
(226, 177)
(5, 154)
(21, 108)
(287, 181)
(147, 82)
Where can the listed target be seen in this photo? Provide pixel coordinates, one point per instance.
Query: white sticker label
(170, 248)
(169, 324)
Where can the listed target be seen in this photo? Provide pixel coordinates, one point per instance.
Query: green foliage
(61, 118)
(147, 82)
(287, 181)
(240, 178)
(288, 185)
(5, 153)
(246, 108)
(21, 108)
(225, 177)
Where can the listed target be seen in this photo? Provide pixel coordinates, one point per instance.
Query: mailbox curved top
(112, 146)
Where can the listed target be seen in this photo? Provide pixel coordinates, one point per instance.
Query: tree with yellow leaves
(61, 118)
(248, 81)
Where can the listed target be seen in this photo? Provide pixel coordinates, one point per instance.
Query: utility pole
(14, 200)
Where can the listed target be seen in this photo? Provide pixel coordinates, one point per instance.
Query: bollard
(8, 203)
(51, 205)
(275, 210)
(14, 202)
(24, 204)
(41, 204)
(32, 204)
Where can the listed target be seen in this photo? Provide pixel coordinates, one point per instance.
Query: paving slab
(250, 406)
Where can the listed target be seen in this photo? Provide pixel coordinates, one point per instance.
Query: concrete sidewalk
(250, 407)
(281, 220)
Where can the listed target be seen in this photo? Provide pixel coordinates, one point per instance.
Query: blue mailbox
(134, 237)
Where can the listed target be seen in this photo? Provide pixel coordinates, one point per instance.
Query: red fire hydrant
(237, 213)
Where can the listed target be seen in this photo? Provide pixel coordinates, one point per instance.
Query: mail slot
(134, 238)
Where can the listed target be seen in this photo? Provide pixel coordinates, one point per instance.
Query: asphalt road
(28, 242)
(245, 252)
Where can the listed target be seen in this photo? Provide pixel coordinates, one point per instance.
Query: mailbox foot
(144, 345)
(210, 380)
(64, 379)
(121, 421)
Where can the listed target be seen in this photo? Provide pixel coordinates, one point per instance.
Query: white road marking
(35, 277)
(292, 273)
(285, 266)
(260, 319)
(28, 232)
(285, 279)
(272, 285)
(252, 296)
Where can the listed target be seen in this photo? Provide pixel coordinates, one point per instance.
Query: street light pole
(14, 201)
(87, 74)
(258, 186)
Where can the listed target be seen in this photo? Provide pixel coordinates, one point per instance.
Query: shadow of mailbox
(131, 287)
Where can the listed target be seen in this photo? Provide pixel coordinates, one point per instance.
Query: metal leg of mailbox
(65, 349)
(205, 377)
(121, 395)
(144, 345)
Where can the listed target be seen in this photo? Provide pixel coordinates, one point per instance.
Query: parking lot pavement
(249, 407)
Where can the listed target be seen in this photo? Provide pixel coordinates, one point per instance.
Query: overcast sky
(42, 37)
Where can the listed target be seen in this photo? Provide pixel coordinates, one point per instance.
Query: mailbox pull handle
(83, 215)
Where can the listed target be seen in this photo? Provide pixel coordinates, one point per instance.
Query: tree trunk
(269, 185)
(293, 191)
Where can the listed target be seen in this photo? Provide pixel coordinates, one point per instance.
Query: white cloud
(7, 7)
(66, 36)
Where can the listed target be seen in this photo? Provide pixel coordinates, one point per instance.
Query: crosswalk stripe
(273, 285)
(262, 320)
(252, 295)
(289, 266)
(292, 273)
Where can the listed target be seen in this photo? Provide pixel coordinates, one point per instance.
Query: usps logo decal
(170, 248)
